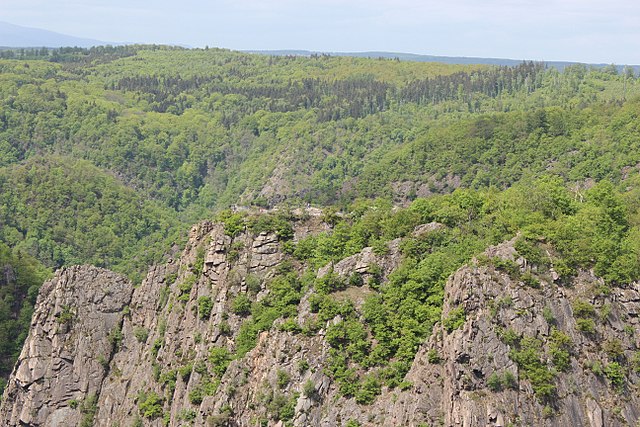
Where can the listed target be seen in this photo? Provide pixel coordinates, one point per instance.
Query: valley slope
(229, 334)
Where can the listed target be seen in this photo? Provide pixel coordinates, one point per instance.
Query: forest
(108, 155)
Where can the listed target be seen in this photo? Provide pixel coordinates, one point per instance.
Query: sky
(593, 31)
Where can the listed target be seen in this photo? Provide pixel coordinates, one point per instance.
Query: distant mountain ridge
(12, 35)
(458, 60)
(17, 36)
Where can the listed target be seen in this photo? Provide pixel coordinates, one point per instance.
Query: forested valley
(109, 155)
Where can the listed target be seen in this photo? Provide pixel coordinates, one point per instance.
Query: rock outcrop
(101, 351)
(74, 332)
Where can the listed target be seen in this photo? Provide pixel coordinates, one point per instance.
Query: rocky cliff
(514, 347)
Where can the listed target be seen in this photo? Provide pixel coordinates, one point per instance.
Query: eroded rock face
(66, 356)
(183, 310)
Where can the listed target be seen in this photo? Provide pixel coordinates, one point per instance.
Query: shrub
(196, 395)
(66, 315)
(282, 378)
(508, 266)
(241, 305)
(494, 382)
(560, 347)
(187, 415)
(115, 337)
(615, 374)
(205, 305)
(583, 309)
(141, 334)
(233, 223)
(88, 409)
(509, 380)
(329, 283)
(528, 359)
(433, 357)
(303, 365)
(454, 320)
(253, 283)
(157, 345)
(530, 280)
(309, 390)
(219, 358)
(587, 326)
(290, 325)
(613, 348)
(547, 314)
(185, 371)
(498, 382)
(150, 404)
(368, 391)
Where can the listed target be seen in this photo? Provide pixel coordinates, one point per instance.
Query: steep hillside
(241, 330)
(107, 155)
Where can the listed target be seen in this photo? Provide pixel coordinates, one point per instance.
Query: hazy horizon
(570, 30)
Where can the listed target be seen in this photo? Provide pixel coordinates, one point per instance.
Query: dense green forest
(108, 155)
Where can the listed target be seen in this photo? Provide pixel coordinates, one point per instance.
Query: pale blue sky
(576, 30)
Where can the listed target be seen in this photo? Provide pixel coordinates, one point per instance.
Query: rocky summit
(511, 349)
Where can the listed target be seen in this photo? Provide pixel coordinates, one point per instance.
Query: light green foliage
(253, 283)
(616, 375)
(271, 223)
(79, 214)
(108, 155)
(454, 320)
(157, 345)
(205, 305)
(185, 371)
(284, 295)
(115, 337)
(186, 286)
(494, 382)
(614, 349)
(586, 325)
(234, 223)
(88, 409)
(187, 415)
(502, 381)
(309, 390)
(168, 379)
(198, 264)
(141, 334)
(282, 378)
(19, 286)
(560, 348)
(278, 405)
(433, 357)
(583, 309)
(329, 283)
(368, 391)
(241, 305)
(66, 315)
(196, 395)
(303, 365)
(150, 404)
(219, 358)
(548, 316)
(527, 356)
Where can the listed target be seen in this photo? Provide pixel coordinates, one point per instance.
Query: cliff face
(70, 345)
(507, 353)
